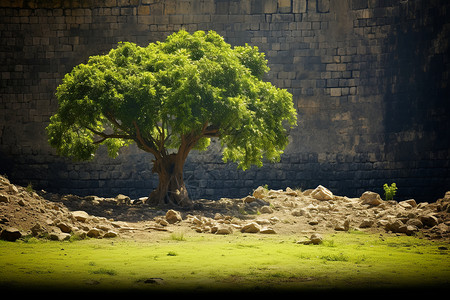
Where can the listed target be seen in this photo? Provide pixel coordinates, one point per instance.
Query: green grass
(344, 261)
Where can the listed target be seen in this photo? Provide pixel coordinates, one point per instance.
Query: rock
(441, 229)
(260, 193)
(161, 221)
(447, 195)
(266, 209)
(371, 198)
(410, 229)
(223, 229)
(415, 222)
(263, 221)
(64, 227)
(411, 202)
(58, 236)
(290, 192)
(249, 199)
(313, 222)
(444, 203)
(173, 216)
(366, 223)
(429, 220)
(404, 205)
(94, 233)
(37, 229)
(316, 239)
(110, 234)
(343, 226)
(396, 226)
(122, 199)
(252, 227)
(298, 212)
(4, 198)
(274, 220)
(267, 230)
(80, 215)
(79, 233)
(196, 220)
(10, 234)
(13, 189)
(321, 193)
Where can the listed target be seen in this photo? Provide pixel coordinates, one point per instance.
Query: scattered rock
(110, 234)
(260, 193)
(267, 230)
(415, 222)
(252, 227)
(10, 234)
(173, 216)
(80, 215)
(64, 227)
(429, 220)
(266, 209)
(291, 192)
(37, 230)
(4, 198)
(366, 223)
(321, 193)
(314, 239)
(122, 199)
(249, 199)
(58, 236)
(94, 233)
(223, 229)
(371, 198)
(343, 226)
(59, 217)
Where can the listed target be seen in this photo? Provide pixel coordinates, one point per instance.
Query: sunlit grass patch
(237, 261)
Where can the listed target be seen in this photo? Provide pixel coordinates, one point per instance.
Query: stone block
(360, 4)
(323, 6)
(335, 92)
(284, 6)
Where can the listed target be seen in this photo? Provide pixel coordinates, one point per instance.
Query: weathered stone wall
(370, 79)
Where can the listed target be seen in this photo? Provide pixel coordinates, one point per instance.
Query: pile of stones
(23, 213)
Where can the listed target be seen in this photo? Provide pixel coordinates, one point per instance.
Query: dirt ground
(25, 212)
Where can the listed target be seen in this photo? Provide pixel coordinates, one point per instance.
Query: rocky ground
(25, 212)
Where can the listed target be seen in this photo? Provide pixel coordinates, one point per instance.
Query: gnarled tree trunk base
(176, 197)
(171, 190)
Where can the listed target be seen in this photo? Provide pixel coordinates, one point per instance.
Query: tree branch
(210, 131)
(149, 148)
(106, 136)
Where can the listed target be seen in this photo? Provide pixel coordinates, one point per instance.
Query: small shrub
(29, 188)
(389, 191)
(177, 237)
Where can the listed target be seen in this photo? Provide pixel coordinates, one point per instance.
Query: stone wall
(370, 79)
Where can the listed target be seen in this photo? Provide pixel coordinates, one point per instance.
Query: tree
(169, 98)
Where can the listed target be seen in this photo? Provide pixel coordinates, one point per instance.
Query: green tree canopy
(169, 98)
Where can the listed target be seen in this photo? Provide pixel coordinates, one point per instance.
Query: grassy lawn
(237, 262)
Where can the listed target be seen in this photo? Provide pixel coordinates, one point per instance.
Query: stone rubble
(25, 212)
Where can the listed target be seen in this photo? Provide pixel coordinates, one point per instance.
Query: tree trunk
(171, 189)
